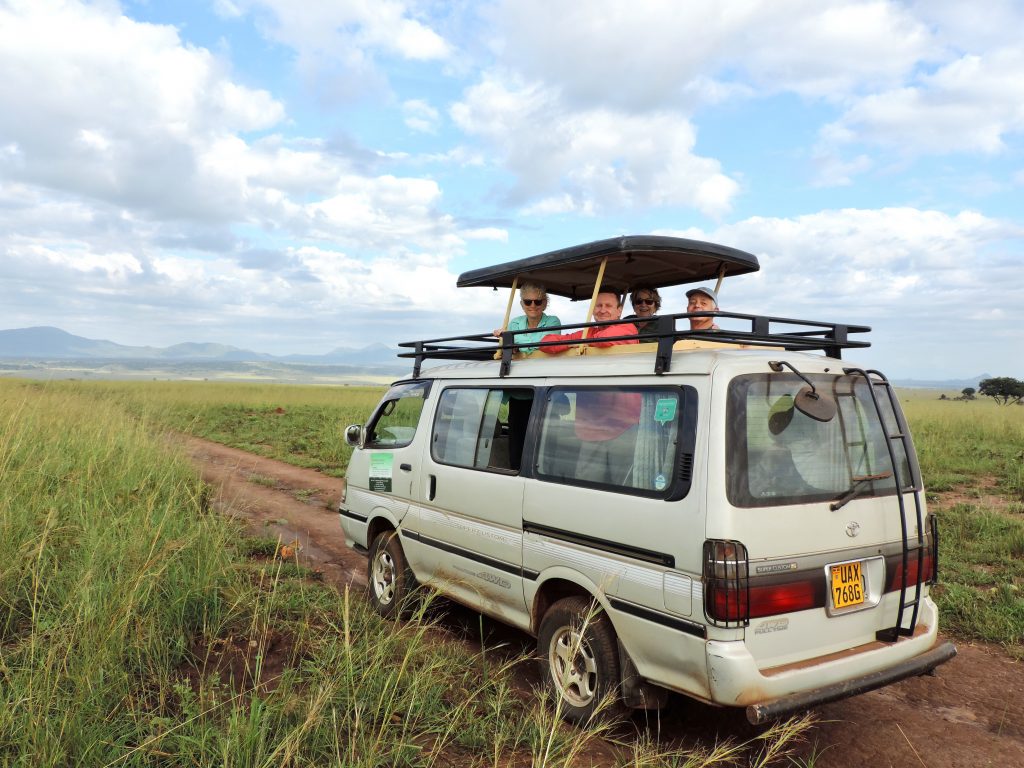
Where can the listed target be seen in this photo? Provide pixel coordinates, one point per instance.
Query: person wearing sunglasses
(646, 302)
(533, 298)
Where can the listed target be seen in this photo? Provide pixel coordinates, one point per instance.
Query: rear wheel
(390, 581)
(579, 659)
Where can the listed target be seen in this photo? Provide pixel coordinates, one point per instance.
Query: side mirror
(815, 405)
(354, 435)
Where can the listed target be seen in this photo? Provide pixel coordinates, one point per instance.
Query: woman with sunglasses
(646, 302)
(533, 297)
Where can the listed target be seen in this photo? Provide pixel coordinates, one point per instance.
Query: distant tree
(968, 393)
(1003, 389)
(943, 396)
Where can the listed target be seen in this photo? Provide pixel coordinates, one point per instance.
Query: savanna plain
(139, 627)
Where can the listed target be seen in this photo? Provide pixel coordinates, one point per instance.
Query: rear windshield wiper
(855, 489)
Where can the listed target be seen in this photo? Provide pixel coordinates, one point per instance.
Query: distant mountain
(46, 343)
(52, 343)
(957, 384)
(375, 354)
(195, 351)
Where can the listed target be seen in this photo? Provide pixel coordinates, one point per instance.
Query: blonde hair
(533, 288)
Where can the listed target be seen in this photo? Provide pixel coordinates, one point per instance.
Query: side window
(481, 428)
(625, 439)
(393, 424)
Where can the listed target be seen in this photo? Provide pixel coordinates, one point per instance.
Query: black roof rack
(652, 260)
(753, 331)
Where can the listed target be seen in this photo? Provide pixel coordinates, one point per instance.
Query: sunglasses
(645, 301)
(533, 302)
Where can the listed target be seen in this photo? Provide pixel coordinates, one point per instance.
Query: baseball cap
(706, 291)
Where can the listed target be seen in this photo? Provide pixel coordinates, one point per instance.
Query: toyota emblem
(852, 528)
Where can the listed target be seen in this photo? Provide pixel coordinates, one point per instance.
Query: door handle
(432, 491)
(405, 467)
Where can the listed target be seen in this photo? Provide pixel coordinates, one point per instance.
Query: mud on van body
(743, 525)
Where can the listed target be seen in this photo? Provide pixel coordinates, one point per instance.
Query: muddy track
(969, 713)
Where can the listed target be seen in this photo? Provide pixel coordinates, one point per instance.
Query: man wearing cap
(702, 300)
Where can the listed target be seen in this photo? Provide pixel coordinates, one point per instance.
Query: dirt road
(970, 713)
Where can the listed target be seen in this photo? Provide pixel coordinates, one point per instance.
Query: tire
(390, 583)
(579, 659)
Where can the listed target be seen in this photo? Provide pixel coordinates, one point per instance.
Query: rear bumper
(787, 705)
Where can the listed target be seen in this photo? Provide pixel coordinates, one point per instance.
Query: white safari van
(736, 515)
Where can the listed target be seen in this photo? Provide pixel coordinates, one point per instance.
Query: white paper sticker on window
(381, 465)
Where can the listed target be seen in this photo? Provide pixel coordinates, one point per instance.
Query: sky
(293, 177)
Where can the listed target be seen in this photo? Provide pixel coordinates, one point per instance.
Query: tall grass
(106, 570)
(963, 442)
(302, 425)
(136, 629)
(972, 459)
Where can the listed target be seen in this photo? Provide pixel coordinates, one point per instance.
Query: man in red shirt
(606, 420)
(608, 306)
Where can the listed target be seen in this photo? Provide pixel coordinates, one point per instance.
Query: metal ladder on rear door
(913, 546)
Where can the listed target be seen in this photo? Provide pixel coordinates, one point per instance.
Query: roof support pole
(511, 298)
(721, 277)
(508, 313)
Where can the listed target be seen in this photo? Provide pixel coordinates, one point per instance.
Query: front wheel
(390, 581)
(579, 660)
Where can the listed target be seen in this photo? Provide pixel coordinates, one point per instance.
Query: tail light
(726, 582)
(732, 598)
(786, 597)
(933, 532)
(922, 564)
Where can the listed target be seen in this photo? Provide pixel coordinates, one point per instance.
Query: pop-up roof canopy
(627, 261)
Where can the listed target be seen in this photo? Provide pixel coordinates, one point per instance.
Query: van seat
(560, 449)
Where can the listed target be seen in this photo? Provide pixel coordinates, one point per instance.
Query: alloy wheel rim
(573, 667)
(384, 578)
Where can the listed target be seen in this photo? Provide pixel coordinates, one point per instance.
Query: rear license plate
(847, 584)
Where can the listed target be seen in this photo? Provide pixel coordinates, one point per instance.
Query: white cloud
(130, 187)
(959, 26)
(922, 279)
(420, 115)
(97, 105)
(654, 53)
(584, 101)
(969, 105)
(588, 161)
(347, 32)
(124, 116)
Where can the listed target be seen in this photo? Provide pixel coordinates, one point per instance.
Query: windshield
(777, 455)
(394, 422)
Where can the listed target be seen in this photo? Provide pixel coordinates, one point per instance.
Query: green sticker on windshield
(381, 465)
(665, 410)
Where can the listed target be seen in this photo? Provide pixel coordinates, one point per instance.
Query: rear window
(777, 455)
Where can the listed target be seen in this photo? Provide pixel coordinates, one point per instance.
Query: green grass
(971, 451)
(962, 443)
(138, 629)
(972, 459)
(303, 425)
